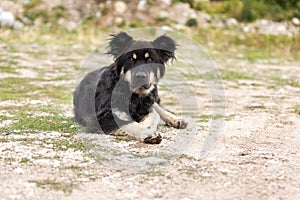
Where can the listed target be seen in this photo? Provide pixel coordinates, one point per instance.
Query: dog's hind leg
(170, 118)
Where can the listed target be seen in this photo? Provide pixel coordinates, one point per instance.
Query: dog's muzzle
(142, 80)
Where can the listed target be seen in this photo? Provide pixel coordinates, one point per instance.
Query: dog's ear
(118, 44)
(165, 46)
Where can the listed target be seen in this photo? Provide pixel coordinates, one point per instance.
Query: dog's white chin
(142, 91)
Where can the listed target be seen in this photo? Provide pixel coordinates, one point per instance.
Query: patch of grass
(8, 69)
(9, 159)
(229, 117)
(20, 88)
(4, 140)
(261, 96)
(73, 168)
(29, 123)
(70, 143)
(204, 118)
(253, 46)
(282, 82)
(234, 75)
(25, 160)
(54, 185)
(192, 77)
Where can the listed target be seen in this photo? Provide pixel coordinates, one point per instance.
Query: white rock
(71, 26)
(232, 22)
(182, 12)
(18, 25)
(142, 4)
(19, 170)
(120, 7)
(167, 2)
(296, 21)
(56, 163)
(119, 20)
(163, 14)
(7, 19)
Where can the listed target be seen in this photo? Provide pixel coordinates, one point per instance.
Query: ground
(43, 155)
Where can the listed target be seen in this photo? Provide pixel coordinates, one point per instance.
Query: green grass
(25, 160)
(20, 88)
(54, 185)
(8, 69)
(231, 75)
(261, 97)
(282, 82)
(27, 122)
(233, 42)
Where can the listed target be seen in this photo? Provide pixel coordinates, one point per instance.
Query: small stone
(166, 2)
(119, 20)
(232, 22)
(56, 164)
(18, 25)
(49, 146)
(207, 175)
(71, 26)
(142, 4)
(296, 21)
(19, 170)
(7, 19)
(255, 105)
(120, 7)
(224, 171)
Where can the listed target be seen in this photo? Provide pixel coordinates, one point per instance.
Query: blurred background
(270, 27)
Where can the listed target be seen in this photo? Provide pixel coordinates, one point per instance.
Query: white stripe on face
(127, 76)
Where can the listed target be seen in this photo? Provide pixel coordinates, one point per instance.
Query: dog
(122, 98)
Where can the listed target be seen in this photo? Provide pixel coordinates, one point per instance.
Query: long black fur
(92, 99)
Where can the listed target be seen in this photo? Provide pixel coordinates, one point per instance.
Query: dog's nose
(141, 75)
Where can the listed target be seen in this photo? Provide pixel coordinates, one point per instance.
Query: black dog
(122, 99)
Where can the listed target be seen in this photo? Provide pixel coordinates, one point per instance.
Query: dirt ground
(256, 155)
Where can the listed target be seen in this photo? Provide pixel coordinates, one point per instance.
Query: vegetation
(249, 10)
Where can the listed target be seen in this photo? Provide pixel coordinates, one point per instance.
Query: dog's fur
(122, 98)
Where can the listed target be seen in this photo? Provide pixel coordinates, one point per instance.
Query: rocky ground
(43, 155)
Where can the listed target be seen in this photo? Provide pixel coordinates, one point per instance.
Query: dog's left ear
(118, 43)
(165, 47)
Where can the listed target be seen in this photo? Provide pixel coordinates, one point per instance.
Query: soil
(256, 155)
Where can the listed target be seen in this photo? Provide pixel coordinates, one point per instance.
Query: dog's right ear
(118, 43)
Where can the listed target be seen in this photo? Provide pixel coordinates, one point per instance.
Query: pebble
(120, 7)
(142, 4)
(255, 105)
(7, 19)
(19, 170)
(224, 171)
(207, 175)
(296, 21)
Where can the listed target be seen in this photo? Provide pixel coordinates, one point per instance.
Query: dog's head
(141, 63)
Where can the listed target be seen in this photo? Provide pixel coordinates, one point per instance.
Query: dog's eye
(133, 57)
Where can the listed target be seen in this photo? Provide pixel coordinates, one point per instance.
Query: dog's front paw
(178, 123)
(153, 139)
(181, 124)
